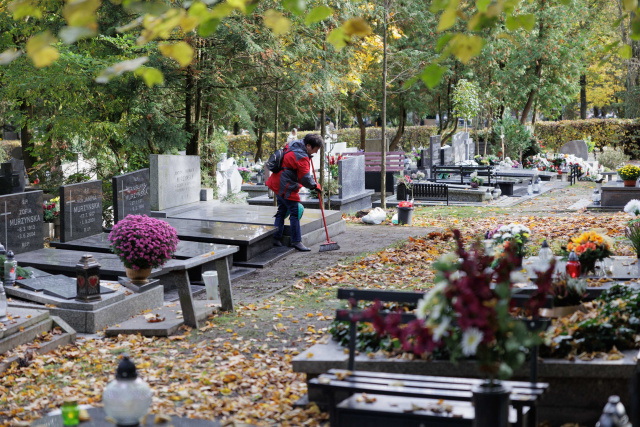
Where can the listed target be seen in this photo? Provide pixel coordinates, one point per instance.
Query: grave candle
(10, 267)
(88, 279)
(573, 266)
(3, 304)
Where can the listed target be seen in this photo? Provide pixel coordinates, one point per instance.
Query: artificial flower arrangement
(567, 291)
(142, 242)
(514, 235)
(629, 173)
(413, 155)
(51, 209)
(405, 204)
(405, 180)
(507, 162)
(467, 313)
(590, 248)
(418, 175)
(258, 167)
(333, 164)
(475, 180)
(489, 160)
(245, 173)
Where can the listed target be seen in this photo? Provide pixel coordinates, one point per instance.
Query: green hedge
(414, 136)
(619, 133)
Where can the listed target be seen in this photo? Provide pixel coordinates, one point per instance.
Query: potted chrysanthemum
(629, 175)
(143, 243)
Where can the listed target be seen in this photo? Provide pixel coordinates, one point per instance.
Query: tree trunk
(583, 96)
(26, 137)
(192, 148)
(363, 128)
(395, 143)
(383, 159)
(538, 74)
(258, 145)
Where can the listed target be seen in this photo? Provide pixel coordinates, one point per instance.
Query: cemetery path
(357, 241)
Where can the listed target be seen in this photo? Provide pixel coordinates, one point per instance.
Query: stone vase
(491, 403)
(629, 183)
(49, 230)
(138, 277)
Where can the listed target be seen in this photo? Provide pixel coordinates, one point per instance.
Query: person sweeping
(296, 172)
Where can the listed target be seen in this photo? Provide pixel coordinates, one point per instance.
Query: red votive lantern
(573, 266)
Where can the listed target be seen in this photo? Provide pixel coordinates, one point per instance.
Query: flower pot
(629, 183)
(405, 216)
(556, 312)
(138, 277)
(474, 185)
(491, 403)
(49, 230)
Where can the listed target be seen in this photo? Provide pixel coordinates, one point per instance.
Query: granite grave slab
(132, 194)
(175, 180)
(56, 285)
(578, 148)
(80, 210)
(616, 195)
(21, 221)
(458, 145)
(100, 243)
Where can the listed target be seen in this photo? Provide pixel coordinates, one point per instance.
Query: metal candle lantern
(88, 279)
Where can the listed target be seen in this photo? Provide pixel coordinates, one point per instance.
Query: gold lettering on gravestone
(25, 223)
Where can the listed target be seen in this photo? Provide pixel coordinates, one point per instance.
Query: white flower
(441, 329)
(449, 258)
(504, 229)
(506, 236)
(473, 175)
(454, 276)
(632, 207)
(471, 338)
(518, 277)
(496, 236)
(423, 308)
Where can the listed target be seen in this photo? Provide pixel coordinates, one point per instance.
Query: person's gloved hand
(318, 188)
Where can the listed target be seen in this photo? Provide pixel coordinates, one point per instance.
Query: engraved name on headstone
(80, 210)
(21, 221)
(351, 176)
(131, 194)
(175, 181)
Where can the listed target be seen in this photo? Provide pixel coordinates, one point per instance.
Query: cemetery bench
(609, 175)
(372, 168)
(424, 191)
(338, 384)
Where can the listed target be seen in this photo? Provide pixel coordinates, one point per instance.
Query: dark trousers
(285, 205)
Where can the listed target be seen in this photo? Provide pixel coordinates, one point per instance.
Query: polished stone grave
(615, 268)
(100, 243)
(131, 194)
(56, 285)
(26, 325)
(80, 210)
(89, 317)
(616, 195)
(21, 221)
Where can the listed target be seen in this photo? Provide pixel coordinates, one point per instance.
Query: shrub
(619, 133)
(613, 158)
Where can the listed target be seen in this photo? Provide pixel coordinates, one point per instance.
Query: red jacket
(296, 172)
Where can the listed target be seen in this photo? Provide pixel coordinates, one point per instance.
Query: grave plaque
(351, 176)
(21, 221)
(80, 210)
(458, 143)
(577, 148)
(175, 181)
(131, 194)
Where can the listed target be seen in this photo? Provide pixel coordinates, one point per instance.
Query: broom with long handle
(329, 246)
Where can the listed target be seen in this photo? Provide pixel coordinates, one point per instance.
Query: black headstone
(18, 167)
(80, 210)
(10, 179)
(131, 195)
(21, 221)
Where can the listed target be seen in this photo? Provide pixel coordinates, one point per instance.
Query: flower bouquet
(590, 247)
(475, 180)
(515, 235)
(245, 173)
(143, 243)
(333, 165)
(467, 313)
(629, 174)
(51, 210)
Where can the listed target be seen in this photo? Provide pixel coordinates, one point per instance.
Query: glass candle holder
(70, 413)
(573, 268)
